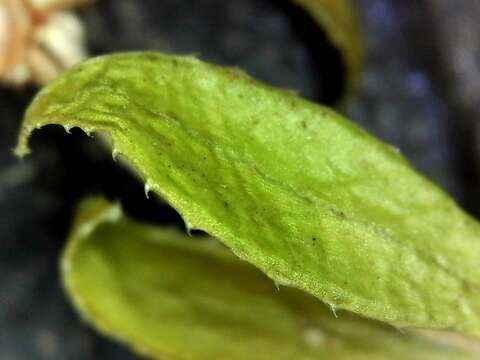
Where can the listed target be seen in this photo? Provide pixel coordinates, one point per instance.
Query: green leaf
(174, 297)
(341, 25)
(292, 187)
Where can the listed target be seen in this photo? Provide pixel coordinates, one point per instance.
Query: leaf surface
(170, 296)
(302, 193)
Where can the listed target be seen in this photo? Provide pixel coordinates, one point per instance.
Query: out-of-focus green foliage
(170, 296)
(339, 20)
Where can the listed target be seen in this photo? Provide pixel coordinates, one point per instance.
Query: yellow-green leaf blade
(302, 193)
(170, 296)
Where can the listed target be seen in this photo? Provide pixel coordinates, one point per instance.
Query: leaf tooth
(149, 184)
(115, 153)
(277, 284)
(333, 308)
(88, 132)
(67, 128)
(188, 227)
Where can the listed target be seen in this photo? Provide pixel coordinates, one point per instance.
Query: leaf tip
(21, 150)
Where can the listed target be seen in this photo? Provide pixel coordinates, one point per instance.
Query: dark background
(420, 91)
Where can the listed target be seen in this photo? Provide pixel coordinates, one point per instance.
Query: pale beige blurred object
(39, 39)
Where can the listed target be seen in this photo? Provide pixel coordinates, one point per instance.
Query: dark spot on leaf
(150, 57)
(338, 213)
